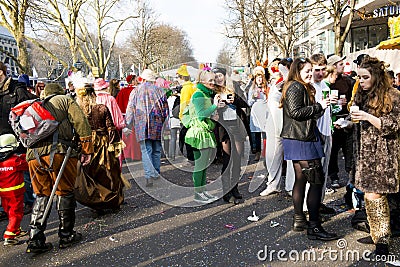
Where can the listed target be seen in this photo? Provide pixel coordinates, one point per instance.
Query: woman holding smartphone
(302, 145)
(232, 135)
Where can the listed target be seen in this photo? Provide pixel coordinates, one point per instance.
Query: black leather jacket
(299, 114)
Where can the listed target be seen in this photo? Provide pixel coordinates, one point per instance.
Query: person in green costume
(200, 135)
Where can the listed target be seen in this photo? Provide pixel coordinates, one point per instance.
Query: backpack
(32, 122)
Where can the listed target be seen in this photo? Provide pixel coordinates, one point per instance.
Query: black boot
(381, 249)
(316, 232)
(37, 239)
(299, 223)
(236, 193)
(66, 213)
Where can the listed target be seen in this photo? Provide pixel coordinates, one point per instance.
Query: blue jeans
(29, 198)
(151, 157)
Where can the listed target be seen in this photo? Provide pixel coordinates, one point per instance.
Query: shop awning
(389, 44)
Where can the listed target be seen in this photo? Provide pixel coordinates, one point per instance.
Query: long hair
(113, 88)
(227, 88)
(294, 76)
(378, 98)
(264, 84)
(86, 99)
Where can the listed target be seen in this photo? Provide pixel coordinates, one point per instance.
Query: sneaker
(268, 192)
(335, 184)
(209, 196)
(66, 242)
(21, 233)
(201, 198)
(38, 246)
(149, 183)
(290, 193)
(10, 241)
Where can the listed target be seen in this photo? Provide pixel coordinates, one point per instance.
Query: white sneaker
(209, 196)
(201, 198)
(268, 192)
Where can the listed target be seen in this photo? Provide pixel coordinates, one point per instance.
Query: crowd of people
(296, 113)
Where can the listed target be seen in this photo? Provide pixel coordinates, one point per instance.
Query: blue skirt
(301, 150)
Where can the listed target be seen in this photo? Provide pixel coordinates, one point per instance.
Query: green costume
(200, 134)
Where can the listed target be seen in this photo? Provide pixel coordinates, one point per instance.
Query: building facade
(368, 28)
(8, 45)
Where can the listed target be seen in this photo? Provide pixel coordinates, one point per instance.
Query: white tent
(389, 56)
(172, 73)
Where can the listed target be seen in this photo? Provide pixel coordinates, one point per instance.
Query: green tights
(201, 162)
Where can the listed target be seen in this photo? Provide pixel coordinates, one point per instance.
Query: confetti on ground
(274, 224)
(230, 226)
(253, 218)
(113, 239)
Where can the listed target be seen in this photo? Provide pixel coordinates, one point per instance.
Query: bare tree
(257, 24)
(336, 9)
(156, 45)
(85, 25)
(12, 17)
(224, 56)
(96, 49)
(243, 26)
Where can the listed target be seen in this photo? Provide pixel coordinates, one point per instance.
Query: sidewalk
(147, 232)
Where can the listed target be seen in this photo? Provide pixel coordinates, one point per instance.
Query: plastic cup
(335, 93)
(354, 109)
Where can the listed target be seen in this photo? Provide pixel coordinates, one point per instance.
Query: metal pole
(53, 191)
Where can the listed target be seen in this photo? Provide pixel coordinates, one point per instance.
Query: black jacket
(299, 114)
(11, 94)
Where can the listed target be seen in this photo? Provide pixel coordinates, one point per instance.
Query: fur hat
(258, 71)
(182, 70)
(100, 84)
(8, 143)
(148, 75)
(51, 89)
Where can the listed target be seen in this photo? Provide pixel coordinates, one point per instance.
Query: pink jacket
(106, 99)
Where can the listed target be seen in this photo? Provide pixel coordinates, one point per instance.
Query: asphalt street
(161, 226)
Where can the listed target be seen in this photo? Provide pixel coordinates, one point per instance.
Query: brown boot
(379, 219)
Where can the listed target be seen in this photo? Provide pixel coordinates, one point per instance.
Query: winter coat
(299, 114)
(71, 117)
(377, 152)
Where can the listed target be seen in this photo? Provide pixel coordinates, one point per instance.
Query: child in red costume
(12, 187)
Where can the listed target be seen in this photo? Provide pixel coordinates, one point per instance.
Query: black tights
(314, 192)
